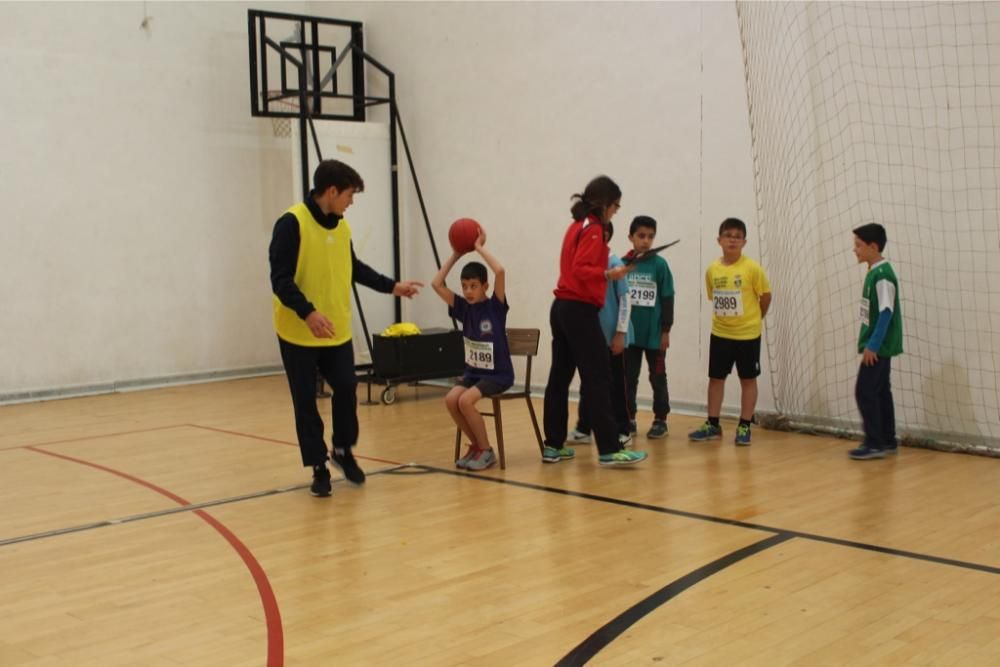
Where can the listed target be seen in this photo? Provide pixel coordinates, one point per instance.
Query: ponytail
(599, 194)
(581, 207)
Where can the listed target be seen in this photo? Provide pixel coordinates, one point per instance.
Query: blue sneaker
(864, 453)
(553, 455)
(707, 431)
(622, 457)
(743, 435)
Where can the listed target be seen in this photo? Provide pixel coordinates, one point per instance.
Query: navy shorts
(485, 387)
(724, 352)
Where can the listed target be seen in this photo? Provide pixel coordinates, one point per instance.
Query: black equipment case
(433, 354)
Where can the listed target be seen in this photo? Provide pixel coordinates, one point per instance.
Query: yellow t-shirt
(735, 292)
(323, 272)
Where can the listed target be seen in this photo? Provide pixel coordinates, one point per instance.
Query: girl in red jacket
(577, 340)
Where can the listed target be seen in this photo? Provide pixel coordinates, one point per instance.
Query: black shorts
(485, 387)
(724, 352)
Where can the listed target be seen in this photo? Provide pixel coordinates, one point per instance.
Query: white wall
(138, 194)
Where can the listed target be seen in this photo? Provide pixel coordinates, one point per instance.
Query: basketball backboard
(293, 61)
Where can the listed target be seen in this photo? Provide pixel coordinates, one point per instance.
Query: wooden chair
(522, 343)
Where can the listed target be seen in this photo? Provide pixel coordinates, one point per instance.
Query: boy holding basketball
(740, 294)
(488, 367)
(651, 292)
(879, 340)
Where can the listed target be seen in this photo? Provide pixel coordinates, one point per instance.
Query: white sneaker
(483, 459)
(578, 438)
(625, 440)
(470, 454)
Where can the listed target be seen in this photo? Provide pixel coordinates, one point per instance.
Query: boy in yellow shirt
(741, 295)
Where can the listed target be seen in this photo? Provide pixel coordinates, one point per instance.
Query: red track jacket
(582, 263)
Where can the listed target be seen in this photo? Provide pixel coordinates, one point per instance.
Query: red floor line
(272, 615)
(93, 437)
(242, 435)
(284, 442)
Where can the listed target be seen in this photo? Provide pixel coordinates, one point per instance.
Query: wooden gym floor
(174, 527)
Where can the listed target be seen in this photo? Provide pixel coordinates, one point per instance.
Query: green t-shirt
(871, 306)
(648, 285)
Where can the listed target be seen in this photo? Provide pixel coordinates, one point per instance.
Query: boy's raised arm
(499, 280)
(438, 282)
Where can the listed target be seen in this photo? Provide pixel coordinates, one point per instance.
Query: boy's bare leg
(452, 401)
(716, 392)
(474, 420)
(748, 397)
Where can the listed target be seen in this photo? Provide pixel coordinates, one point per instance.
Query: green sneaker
(553, 455)
(622, 457)
(743, 435)
(706, 431)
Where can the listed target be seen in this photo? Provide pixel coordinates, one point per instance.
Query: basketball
(463, 234)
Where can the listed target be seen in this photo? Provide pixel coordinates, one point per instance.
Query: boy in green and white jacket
(879, 340)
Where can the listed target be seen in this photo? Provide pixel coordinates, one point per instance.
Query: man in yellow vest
(312, 268)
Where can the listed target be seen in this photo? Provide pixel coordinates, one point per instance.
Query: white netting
(884, 112)
(281, 126)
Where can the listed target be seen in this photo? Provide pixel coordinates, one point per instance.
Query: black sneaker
(657, 430)
(321, 482)
(349, 466)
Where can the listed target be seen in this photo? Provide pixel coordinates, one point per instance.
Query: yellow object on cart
(401, 329)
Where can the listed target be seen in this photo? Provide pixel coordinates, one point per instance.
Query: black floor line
(400, 469)
(170, 510)
(409, 469)
(613, 629)
(979, 567)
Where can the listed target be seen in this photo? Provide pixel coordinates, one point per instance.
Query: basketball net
(282, 127)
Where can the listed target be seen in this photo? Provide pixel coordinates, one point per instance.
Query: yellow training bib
(323, 273)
